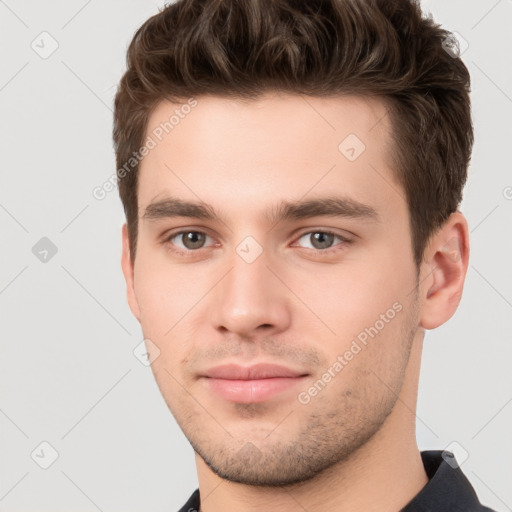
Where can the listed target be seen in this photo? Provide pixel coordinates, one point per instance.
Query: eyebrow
(285, 210)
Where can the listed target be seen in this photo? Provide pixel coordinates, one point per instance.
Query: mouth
(254, 384)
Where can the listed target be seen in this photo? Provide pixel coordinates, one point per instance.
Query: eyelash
(190, 252)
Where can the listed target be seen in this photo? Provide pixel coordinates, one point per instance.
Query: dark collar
(447, 488)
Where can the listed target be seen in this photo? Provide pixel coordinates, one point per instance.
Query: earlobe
(128, 272)
(444, 269)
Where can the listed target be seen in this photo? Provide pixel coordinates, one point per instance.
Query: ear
(128, 272)
(443, 270)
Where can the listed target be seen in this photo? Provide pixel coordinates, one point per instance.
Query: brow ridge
(285, 210)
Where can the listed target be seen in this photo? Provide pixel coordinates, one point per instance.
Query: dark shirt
(447, 490)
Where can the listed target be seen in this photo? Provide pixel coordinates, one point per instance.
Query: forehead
(280, 146)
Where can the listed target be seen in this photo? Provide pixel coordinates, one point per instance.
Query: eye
(322, 240)
(188, 240)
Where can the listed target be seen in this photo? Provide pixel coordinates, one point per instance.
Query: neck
(383, 475)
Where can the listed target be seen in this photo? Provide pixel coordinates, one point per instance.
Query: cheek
(170, 298)
(165, 292)
(370, 352)
(351, 297)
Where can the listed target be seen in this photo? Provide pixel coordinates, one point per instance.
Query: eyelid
(173, 234)
(344, 240)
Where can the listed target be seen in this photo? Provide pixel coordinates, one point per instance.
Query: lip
(256, 371)
(253, 384)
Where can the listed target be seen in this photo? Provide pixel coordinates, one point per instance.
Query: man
(290, 174)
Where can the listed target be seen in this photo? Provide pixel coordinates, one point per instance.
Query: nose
(251, 300)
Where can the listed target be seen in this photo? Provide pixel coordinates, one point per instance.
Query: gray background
(69, 375)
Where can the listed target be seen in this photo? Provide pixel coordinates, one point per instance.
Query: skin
(298, 304)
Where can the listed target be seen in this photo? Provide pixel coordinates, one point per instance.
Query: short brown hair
(242, 49)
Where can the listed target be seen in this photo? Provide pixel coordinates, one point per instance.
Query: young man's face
(332, 298)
